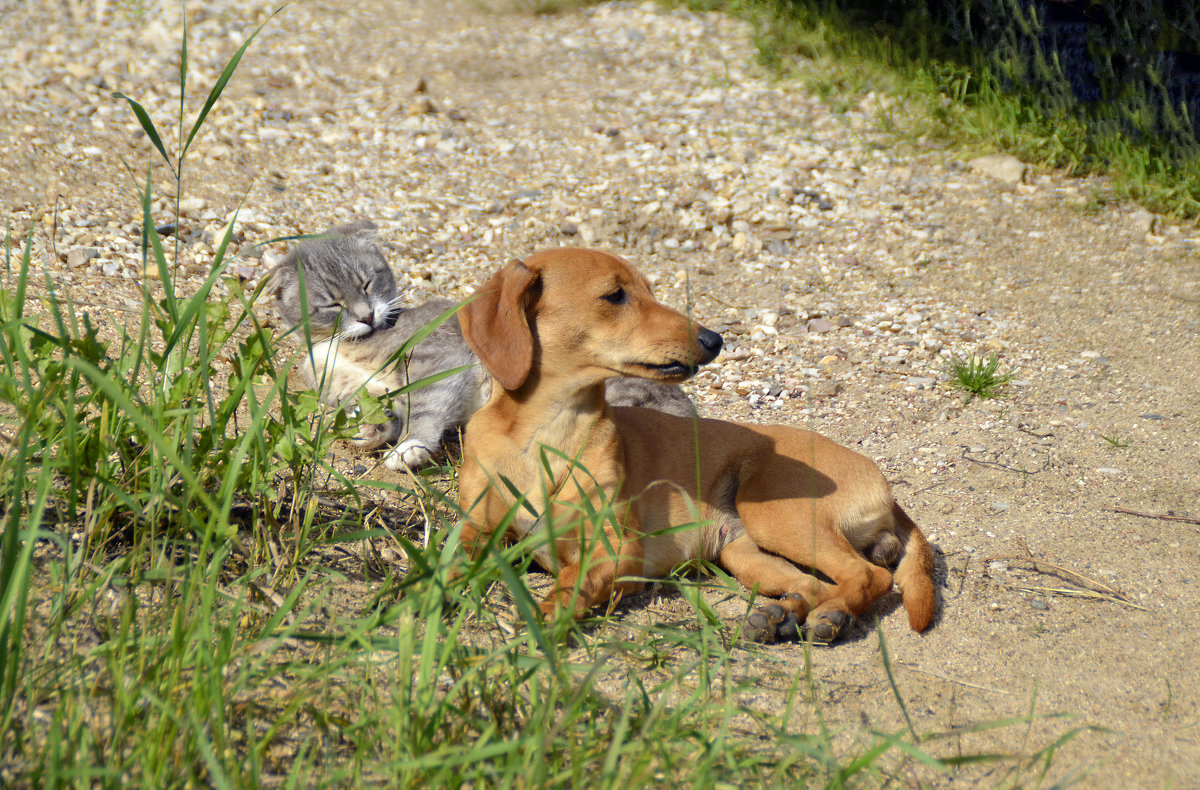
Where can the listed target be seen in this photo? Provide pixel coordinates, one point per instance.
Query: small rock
(760, 332)
(80, 256)
(213, 235)
(821, 325)
(249, 219)
(1039, 604)
(268, 135)
(421, 106)
(1001, 167)
(190, 206)
(1143, 221)
(826, 389)
(244, 271)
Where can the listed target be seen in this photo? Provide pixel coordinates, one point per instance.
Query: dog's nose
(711, 342)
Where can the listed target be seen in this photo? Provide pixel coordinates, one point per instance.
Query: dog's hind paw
(770, 624)
(828, 626)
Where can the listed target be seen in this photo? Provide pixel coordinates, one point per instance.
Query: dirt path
(842, 264)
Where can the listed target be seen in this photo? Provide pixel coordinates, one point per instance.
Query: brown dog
(781, 509)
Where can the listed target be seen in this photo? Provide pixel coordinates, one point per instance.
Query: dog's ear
(495, 325)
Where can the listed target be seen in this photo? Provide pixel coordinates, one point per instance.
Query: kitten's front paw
(374, 435)
(409, 454)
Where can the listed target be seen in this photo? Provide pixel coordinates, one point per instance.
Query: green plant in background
(977, 375)
(1115, 441)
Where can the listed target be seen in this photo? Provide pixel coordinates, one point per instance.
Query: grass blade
(148, 127)
(219, 86)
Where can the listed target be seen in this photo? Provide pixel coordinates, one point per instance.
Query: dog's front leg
(480, 506)
(578, 589)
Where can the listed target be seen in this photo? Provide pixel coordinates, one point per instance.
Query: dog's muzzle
(710, 345)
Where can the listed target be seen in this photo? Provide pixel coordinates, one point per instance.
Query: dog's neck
(557, 415)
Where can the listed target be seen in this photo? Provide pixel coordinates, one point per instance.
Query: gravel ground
(843, 265)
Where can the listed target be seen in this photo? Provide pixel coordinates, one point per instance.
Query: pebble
(826, 389)
(1001, 167)
(80, 256)
(192, 206)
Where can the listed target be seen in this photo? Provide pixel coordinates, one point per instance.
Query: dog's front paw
(770, 624)
(409, 454)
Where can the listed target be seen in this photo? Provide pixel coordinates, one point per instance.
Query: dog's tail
(914, 575)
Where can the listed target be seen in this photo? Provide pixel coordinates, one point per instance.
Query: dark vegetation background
(1132, 68)
(1078, 84)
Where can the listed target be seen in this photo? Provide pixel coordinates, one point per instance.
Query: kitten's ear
(277, 277)
(496, 327)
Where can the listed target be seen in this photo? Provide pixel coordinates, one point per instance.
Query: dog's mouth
(671, 371)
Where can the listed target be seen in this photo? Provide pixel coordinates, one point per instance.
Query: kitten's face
(349, 287)
(353, 304)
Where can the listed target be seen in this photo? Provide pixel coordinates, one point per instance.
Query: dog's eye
(615, 297)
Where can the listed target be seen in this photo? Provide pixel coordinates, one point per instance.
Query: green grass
(1115, 441)
(978, 376)
(940, 100)
(180, 604)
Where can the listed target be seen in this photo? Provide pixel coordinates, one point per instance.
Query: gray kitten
(357, 328)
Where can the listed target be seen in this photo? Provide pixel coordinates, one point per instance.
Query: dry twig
(1077, 593)
(1092, 588)
(1159, 516)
